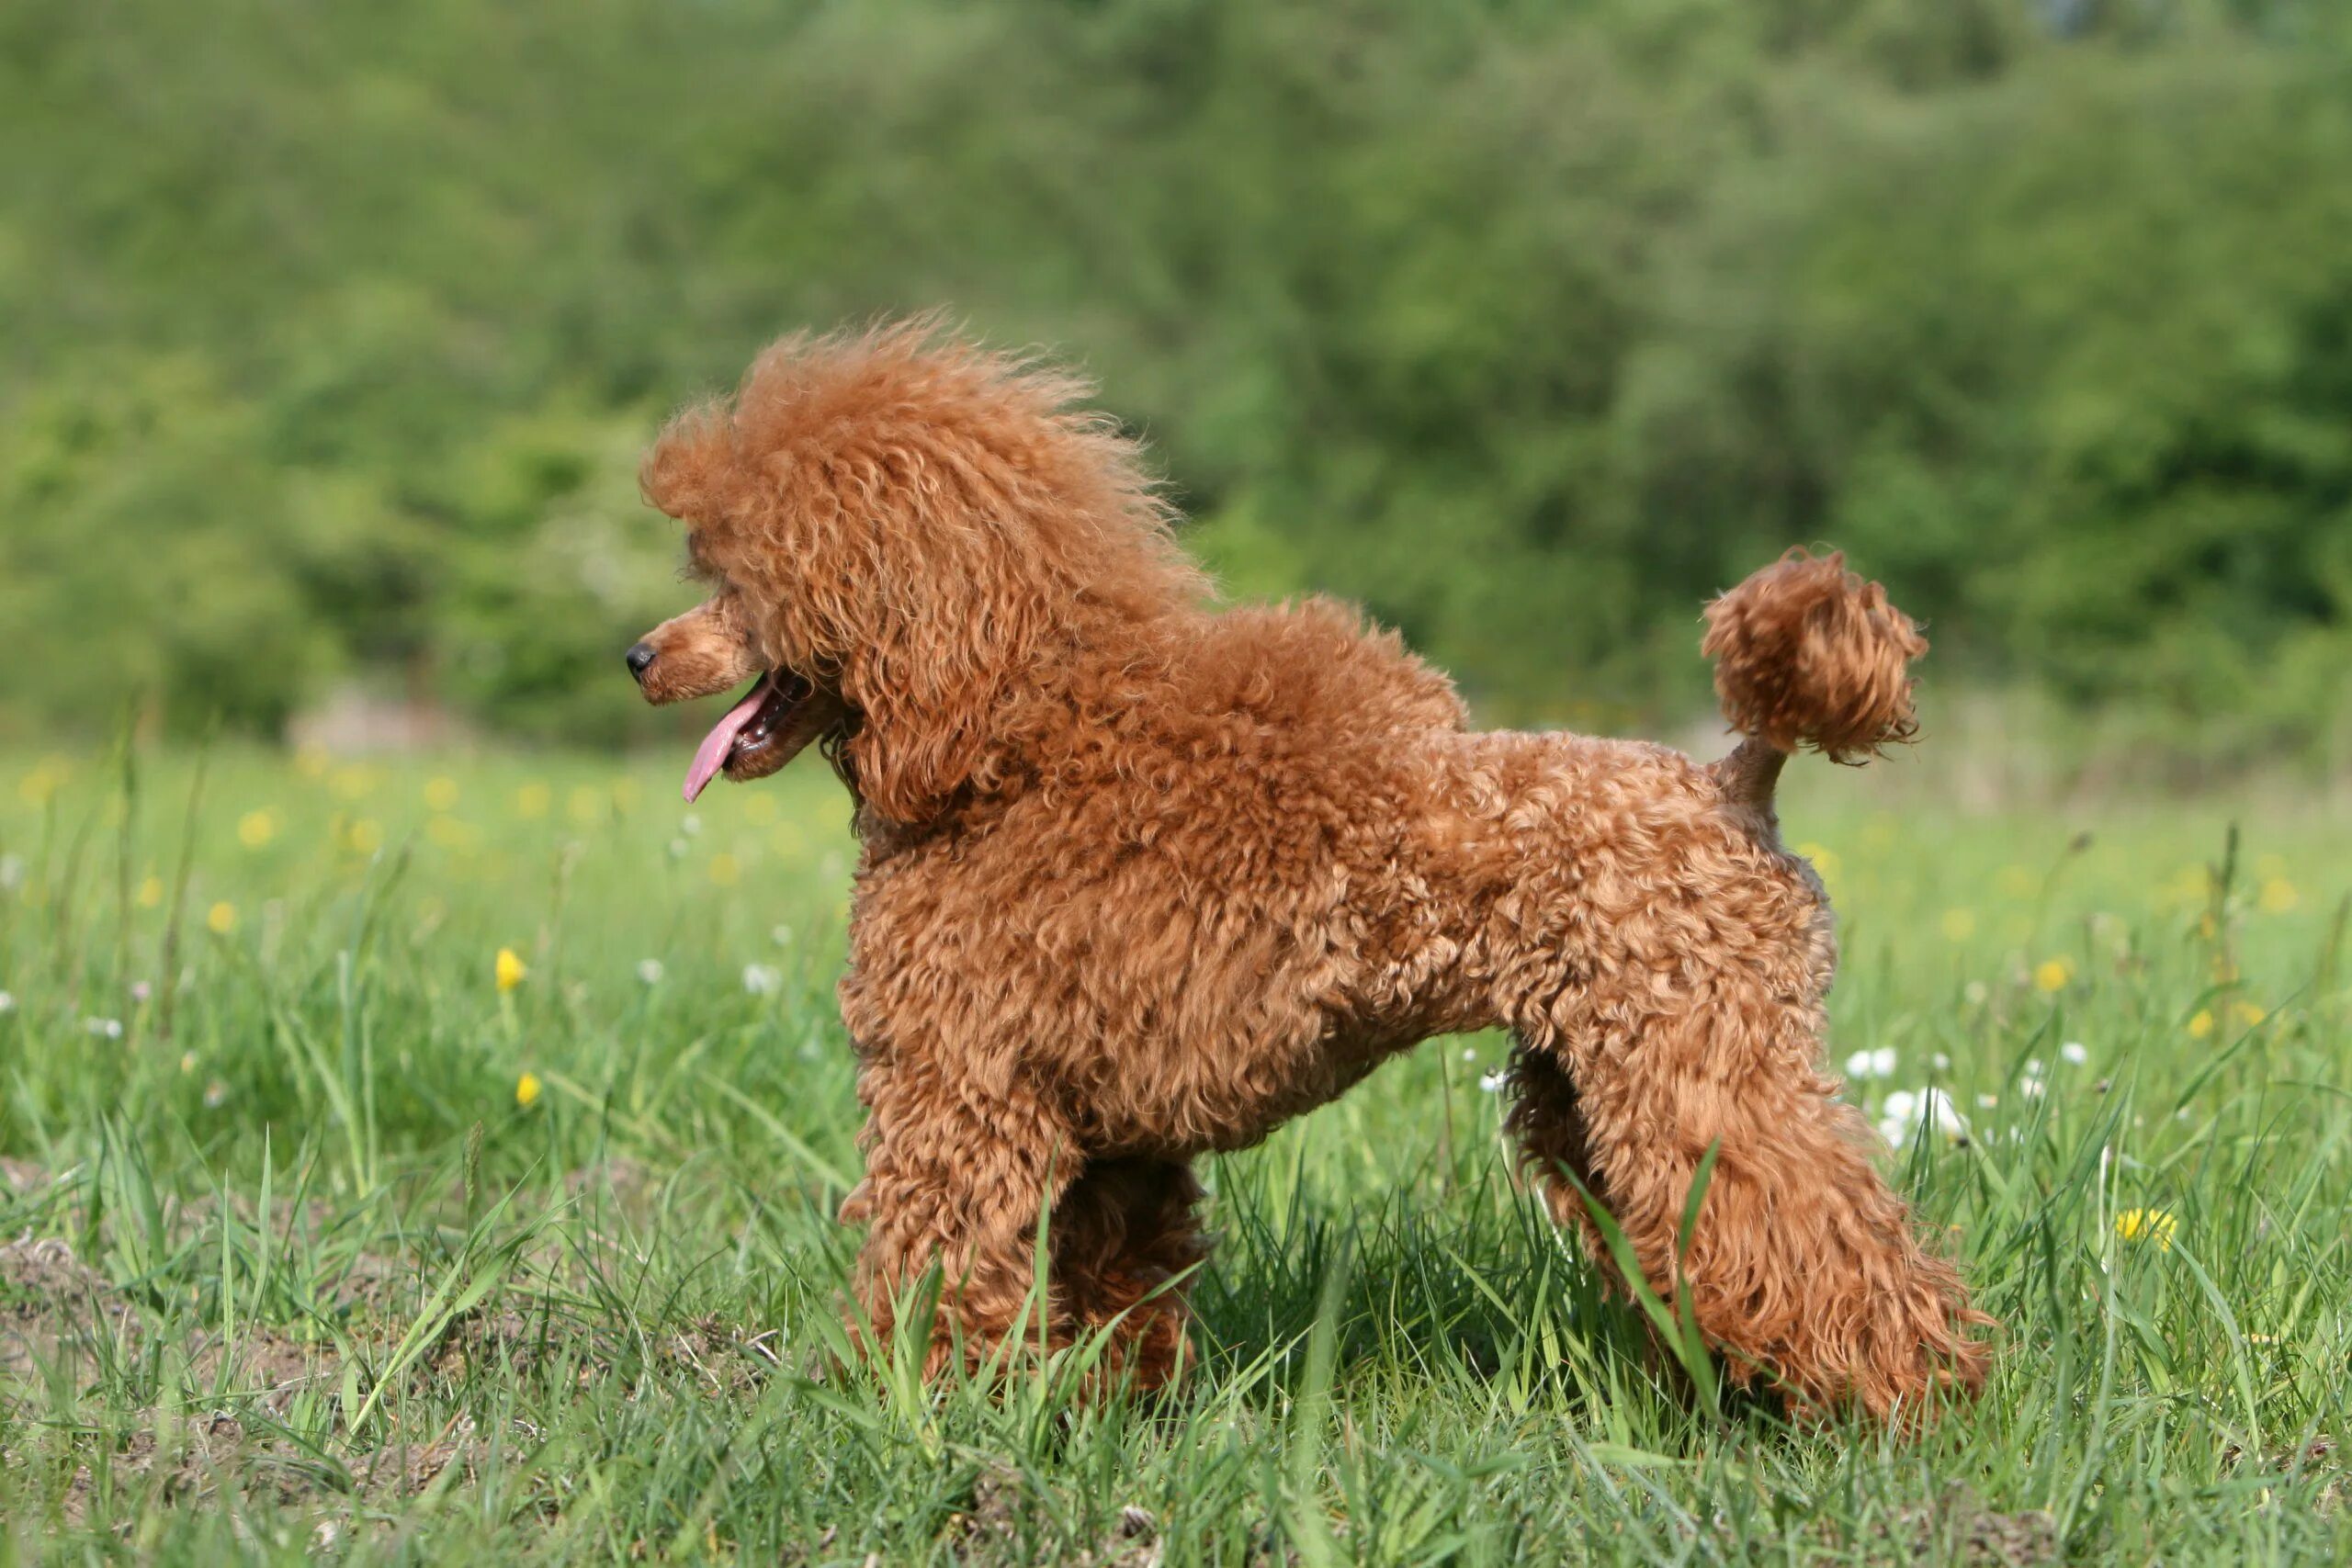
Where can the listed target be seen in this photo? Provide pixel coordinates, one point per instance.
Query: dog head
(902, 534)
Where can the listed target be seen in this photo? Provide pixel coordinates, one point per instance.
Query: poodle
(1142, 878)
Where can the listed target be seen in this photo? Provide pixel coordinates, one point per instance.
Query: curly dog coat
(1143, 879)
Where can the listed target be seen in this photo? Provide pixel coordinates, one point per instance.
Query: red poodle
(1143, 879)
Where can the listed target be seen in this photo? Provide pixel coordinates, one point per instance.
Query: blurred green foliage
(333, 332)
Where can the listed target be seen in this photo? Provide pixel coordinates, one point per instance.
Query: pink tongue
(712, 753)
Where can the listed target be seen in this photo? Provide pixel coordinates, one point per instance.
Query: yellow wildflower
(1959, 924)
(725, 870)
(527, 1090)
(150, 892)
(2051, 973)
(509, 969)
(1824, 859)
(584, 806)
(441, 794)
(2016, 882)
(2201, 1025)
(312, 762)
(353, 784)
(2247, 1014)
(2278, 895)
(532, 799)
(366, 835)
(222, 918)
(2148, 1224)
(255, 829)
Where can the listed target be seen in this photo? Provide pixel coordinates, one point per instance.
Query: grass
(290, 1266)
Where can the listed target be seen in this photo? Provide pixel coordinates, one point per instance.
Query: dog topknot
(1807, 654)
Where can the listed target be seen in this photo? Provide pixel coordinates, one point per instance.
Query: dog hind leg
(1803, 1268)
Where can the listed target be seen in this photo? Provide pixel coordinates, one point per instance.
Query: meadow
(433, 1160)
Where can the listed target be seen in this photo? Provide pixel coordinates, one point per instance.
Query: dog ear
(939, 668)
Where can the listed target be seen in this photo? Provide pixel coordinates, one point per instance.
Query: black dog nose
(638, 658)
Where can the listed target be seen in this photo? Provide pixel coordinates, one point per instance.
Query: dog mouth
(773, 723)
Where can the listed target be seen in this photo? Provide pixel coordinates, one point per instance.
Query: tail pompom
(1808, 654)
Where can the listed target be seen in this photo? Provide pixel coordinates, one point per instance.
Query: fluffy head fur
(1140, 880)
(927, 528)
(1808, 654)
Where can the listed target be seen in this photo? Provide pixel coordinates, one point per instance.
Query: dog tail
(1807, 654)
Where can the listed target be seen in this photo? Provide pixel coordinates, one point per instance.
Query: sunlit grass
(435, 1159)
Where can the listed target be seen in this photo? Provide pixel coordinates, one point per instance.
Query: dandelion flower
(532, 799)
(1959, 925)
(256, 829)
(650, 970)
(584, 806)
(2247, 1014)
(2158, 1225)
(1909, 1112)
(366, 836)
(441, 794)
(725, 870)
(2051, 974)
(2278, 895)
(527, 1090)
(509, 969)
(1875, 1064)
(2202, 1024)
(150, 892)
(312, 760)
(222, 918)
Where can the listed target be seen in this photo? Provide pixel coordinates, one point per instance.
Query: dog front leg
(957, 1176)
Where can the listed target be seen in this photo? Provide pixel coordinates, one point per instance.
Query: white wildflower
(7, 1002)
(677, 849)
(781, 935)
(11, 873)
(1942, 1062)
(761, 979)
(690, 825)
(1908, 1111)
(2074, 1053)
(104, 1027)
(1875, 1064)
(650, 971)
(1469, 1053)
(216, 1095)
(1493, 1082)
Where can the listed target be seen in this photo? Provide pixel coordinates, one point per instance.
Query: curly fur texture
(1141, 879)
(1809, 655)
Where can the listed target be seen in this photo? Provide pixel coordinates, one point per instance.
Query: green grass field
(318, 1236)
